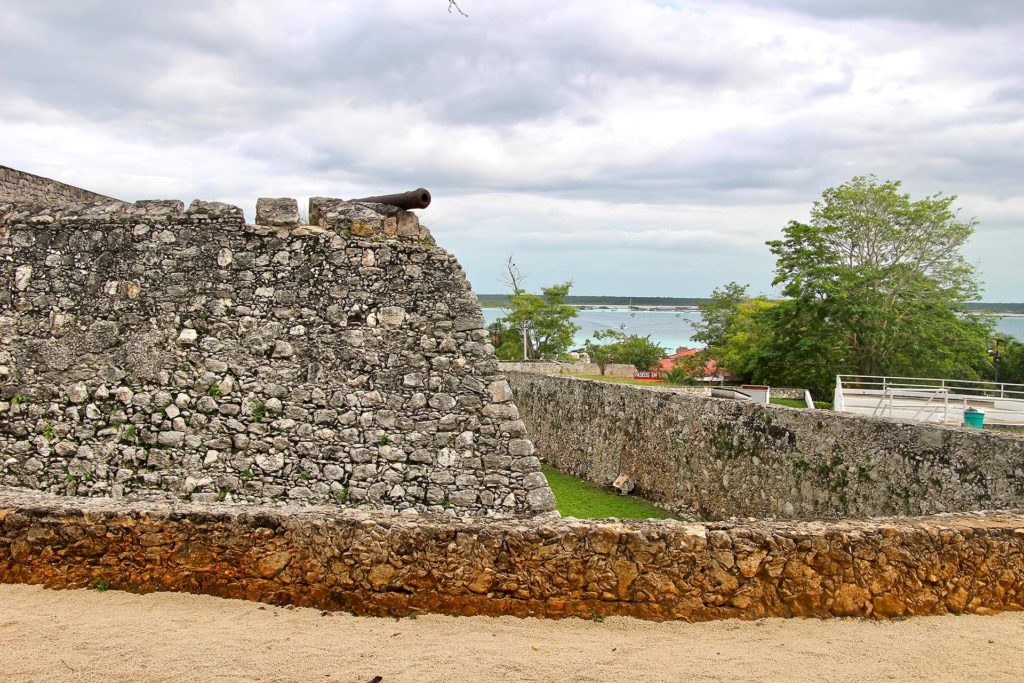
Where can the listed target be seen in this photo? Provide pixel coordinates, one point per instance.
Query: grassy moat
(583, 500)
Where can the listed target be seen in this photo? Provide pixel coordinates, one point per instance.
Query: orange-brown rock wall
(384, 564)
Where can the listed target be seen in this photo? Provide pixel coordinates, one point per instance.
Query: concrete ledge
(381, 564)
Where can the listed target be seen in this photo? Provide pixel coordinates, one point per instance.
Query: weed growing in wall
(259, 411)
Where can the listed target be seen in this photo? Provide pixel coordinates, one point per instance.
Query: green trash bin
(974, 418)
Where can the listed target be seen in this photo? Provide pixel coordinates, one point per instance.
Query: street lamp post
(996, 356)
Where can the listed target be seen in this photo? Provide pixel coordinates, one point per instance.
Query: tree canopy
(545, 320)
(640, 352)
(874, 284)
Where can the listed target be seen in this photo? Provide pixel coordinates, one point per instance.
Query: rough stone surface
(389, 564)
(565, 368)
(150, 351)
(25, 187)
(719, 458)
(277, 212)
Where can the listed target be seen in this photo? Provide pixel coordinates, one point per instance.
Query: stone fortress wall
(151, 351)
(156, 361)
(718, 458)
(27, 187)
(386, 564)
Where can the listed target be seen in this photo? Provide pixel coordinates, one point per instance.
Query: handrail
(886, 378)
(925, 398)
(962, 386)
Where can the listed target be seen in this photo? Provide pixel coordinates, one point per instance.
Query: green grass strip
(581, 499)
(797, 403)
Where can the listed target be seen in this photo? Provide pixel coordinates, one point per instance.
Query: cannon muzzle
(414, 199)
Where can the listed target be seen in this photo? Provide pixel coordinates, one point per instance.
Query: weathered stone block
(277, 212)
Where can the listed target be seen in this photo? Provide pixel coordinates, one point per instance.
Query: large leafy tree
(640, 352)
(545, 320)
(874, 284)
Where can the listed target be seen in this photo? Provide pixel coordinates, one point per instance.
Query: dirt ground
(85, 635)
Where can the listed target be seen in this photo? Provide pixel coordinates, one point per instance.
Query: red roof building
(711, 371)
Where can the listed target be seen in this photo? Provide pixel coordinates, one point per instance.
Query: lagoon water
(672, 329)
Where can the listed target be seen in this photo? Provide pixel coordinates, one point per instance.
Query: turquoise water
(672, 329)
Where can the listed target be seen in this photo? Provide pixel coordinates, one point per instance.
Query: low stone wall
(386, 564)
(554, 368)
(722, 458)
(19, 186)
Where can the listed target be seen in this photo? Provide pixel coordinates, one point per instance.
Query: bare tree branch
(513, 277)
(452, 4)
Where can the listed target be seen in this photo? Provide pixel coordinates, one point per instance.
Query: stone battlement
(153, 351)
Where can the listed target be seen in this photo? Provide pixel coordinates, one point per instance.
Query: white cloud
(583, 133)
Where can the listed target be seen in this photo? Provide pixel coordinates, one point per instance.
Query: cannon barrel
(414, 199)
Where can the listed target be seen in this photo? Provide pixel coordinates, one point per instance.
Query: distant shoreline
(686, 304)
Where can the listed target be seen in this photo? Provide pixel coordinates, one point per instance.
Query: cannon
(414, 199)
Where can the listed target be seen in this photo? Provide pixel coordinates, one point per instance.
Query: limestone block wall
(19, 186)
(151, 351)
(719, 458)
(387, 564)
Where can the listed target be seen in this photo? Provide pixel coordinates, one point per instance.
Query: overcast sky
(637, 148)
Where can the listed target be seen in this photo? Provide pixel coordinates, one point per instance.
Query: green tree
(718, 313)
(642, 353)
(735, 330)
(1011, 360)
(507, 341)
(603, 354)
(750, 334)
(876, 284)
(545, 320)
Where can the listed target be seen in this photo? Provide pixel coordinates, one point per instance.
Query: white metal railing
(928, 399)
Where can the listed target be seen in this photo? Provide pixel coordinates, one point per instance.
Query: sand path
(87, 635)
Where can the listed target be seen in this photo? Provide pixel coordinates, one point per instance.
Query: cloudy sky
(637, 148)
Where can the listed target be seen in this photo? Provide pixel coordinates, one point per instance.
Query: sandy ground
(86, 635)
